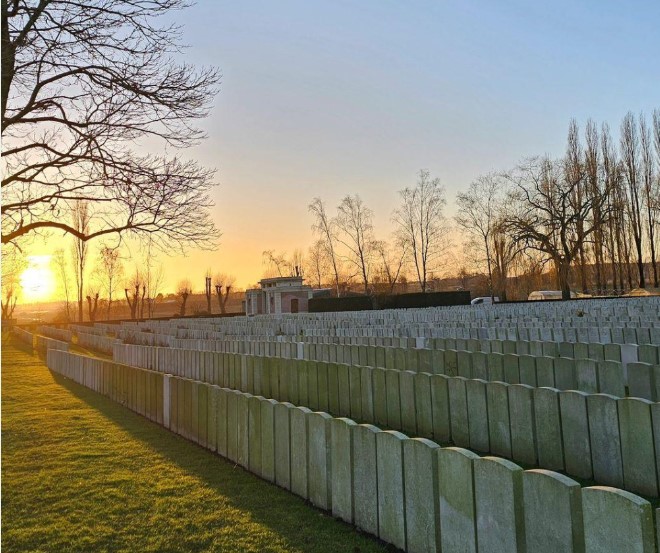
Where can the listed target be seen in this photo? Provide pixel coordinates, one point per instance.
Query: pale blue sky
(332, 98)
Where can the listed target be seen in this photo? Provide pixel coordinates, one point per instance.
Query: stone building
(278, 295)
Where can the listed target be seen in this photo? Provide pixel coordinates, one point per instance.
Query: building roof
(280, 279)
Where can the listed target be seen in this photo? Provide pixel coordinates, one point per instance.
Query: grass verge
(81, 473)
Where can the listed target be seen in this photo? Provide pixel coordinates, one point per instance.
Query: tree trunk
(221, 303)
(563, 272)
(626, 257)
(654, 264)
(640, 263)
(8, 60)
(133, 304)
(208, 294)
(92, 306)
(583, 270)
(490, 271)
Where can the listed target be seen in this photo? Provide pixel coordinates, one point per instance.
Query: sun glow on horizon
(38, 281)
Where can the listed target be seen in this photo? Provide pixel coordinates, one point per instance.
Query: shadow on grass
(8, 340)
(291, 517)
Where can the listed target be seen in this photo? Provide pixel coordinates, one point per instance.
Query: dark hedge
(398, 301)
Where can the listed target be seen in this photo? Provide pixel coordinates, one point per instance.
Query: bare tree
(391, 261)
(207, 290)
(324, 227)
(280, 265)
(656, 143)
(183, 290)
(297, 263)
(422, 226)
(595, 184)
(505, 253)
(354, 222)
(13, 264)
(81, 83)
(92, 305)
(223, 286)
(544, 211)
(9, 303)
(276, 264)
(62, 272)
(152, 276)
(81, 217)
(137, 287)
(649, 189)
(477, 214)
(655, 196)
(615, 206)
(574, 174)
(529, 269)
(630, 158)
(318, 264)
(110, 272)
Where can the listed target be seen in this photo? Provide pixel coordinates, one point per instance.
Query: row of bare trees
(105, 284)
(589, 218)
(592, 214)
(219, 284)
(346, 248)
(347, 251)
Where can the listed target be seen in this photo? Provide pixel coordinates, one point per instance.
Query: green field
(82, 473)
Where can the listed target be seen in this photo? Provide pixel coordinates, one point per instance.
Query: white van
(485, 300)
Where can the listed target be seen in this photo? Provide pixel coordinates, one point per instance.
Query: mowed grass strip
(82, 473)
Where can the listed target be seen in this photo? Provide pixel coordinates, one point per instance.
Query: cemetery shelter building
(278, 295)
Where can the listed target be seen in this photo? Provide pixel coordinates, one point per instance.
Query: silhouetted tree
(60, 261)
(136, 286)
(92, 305)
(81, 217)
(595, 185)
(276, 263)
(223, 286)
(630, 161)
(354, 222)
(546, 213)
(649, 189)
(574, 175)
(184, 290)
(317, 262)
(421, 225)
(478, 211)
(81, 83)
(13, 264)
(324, 227)
(391, 259)
(110, 271)
(207, 290)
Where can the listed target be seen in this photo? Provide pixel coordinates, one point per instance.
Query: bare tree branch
(81, 83)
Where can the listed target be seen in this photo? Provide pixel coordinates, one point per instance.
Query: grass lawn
(82, 473)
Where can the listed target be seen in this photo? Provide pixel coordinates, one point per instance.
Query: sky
(333, 98)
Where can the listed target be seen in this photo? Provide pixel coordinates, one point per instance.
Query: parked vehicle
(485, 300)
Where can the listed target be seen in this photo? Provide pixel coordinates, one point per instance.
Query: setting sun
(37, 281)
